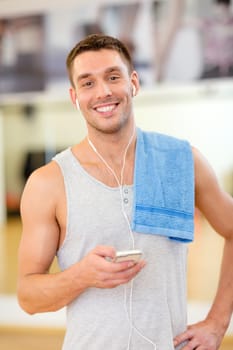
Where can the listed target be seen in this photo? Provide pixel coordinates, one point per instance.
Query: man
(83, 207)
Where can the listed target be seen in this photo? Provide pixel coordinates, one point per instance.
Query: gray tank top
(97, 319)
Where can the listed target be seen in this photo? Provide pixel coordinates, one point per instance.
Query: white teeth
(105, 109)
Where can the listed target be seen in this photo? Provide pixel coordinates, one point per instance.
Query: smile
(106, 109)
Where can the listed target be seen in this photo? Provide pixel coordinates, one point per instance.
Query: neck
(118, 175)
(112, 146)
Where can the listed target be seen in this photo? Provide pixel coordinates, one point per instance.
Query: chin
(110, 127)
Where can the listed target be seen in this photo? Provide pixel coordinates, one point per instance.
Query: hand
(95, 271)
(204, 335)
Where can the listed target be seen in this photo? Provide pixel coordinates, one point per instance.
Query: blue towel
(163, 187)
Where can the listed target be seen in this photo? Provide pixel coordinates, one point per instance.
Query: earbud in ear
(134, 90)
(77, 104)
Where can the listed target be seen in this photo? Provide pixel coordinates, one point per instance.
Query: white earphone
(134, 90)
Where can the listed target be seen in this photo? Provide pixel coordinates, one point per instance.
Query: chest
(110, 175)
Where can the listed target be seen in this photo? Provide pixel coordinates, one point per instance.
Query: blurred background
(183, 52)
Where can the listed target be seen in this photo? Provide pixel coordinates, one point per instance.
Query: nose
(103, 90)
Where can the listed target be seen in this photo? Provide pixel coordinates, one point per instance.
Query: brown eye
(87, 84)
(114, 77)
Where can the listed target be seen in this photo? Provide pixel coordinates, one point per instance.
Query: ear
(135, 83)
(73, 95)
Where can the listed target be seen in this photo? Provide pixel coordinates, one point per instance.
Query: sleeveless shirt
(97, 319)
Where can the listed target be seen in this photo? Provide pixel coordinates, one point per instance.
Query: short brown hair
(96, 42)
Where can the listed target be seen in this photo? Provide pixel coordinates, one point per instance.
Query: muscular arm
(217, 207)
(39, 243)
(38, 290)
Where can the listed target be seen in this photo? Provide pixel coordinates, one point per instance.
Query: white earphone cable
(120, 184)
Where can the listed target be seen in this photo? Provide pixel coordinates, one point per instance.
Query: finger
(110, 279)
(191, 345)
(109, 266)
(105, 251)
(127, 265)
(185, 336)
(121, 273)
(124, 276)
(112, 283)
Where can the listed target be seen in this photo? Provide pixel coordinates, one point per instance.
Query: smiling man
(103, 85)
(120, 189)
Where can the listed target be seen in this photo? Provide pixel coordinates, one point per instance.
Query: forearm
(39, 292)
(208, 334)
(221, 310)
(49, 292)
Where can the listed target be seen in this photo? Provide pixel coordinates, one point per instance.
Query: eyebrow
(108, 70)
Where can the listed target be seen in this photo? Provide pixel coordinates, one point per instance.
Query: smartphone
(128, 255)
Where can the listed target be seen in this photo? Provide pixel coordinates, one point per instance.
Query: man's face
(103, 87)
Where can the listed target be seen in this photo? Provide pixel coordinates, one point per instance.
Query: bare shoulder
(45, 175)
(43, 186)
(203, 171)
(210, 197)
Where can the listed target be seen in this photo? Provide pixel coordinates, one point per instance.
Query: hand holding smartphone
(128, 255)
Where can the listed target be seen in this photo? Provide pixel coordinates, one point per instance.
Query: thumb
(105, 251)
